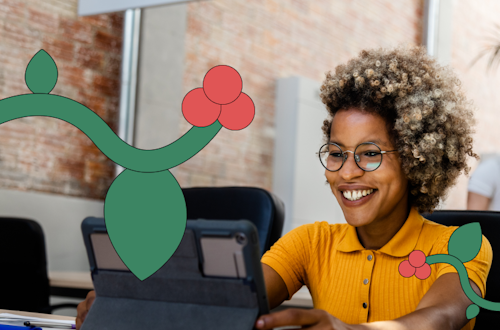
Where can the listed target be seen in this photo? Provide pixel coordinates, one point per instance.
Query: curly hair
(428, 116)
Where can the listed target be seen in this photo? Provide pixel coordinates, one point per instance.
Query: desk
(78, 284)
(301, 298)
(70, 284)
(45, 316)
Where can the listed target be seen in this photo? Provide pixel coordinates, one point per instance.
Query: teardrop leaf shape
(145, 215)
(465, 242)
(41, 73)
(472, 311)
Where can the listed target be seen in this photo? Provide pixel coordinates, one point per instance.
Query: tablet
(213, 280)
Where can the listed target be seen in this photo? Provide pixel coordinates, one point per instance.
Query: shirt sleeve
(481, 182)
(289, 257)
(477, 269)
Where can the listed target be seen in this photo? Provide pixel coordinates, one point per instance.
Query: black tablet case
(177, 296)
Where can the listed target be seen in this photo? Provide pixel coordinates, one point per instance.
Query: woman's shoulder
(436, 229)
(440, 234)
(322, 230)
(324, 226)
(435, 234)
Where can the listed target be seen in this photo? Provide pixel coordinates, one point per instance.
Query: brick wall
(473, 28)
(47, 154)
(267, 40)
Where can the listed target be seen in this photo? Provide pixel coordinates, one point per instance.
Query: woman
(408, 124)
(397, 139)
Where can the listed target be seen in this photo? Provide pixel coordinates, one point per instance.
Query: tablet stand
(177, 296)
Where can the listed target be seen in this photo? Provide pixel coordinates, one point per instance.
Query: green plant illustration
(144, 209)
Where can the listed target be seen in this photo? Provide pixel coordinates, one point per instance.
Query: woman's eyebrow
(340, 144)
(376, 141)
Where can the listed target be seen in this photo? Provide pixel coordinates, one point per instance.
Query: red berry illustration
(222, 84)
(417, 258)
(198, 109)
(423, 272)
(238, 114)
(405, 269)
(415, 265)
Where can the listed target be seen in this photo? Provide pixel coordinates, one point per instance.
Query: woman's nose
(350, 169)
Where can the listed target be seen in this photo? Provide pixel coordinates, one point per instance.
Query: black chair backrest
(257, 205)
(490, 227)
(25, 284)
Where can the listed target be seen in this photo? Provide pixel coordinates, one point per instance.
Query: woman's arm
(275, 287)
(477, 201)
(443, 307)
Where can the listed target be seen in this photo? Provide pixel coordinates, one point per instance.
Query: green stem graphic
(103, 137)
(464, 280)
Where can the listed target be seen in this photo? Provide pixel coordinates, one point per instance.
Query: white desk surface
(83, 280)
(73, 280)
(45, 316)
(301, 298)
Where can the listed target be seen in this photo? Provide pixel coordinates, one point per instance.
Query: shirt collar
(400, 245)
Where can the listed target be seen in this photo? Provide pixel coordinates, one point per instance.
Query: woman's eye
(371, 153)
(336, 154)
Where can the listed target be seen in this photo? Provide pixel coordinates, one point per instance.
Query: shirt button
(370, 257)
(365, 305)
(365, 281)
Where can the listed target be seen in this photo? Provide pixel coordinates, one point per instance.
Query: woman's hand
(314, 319)
(83, 308)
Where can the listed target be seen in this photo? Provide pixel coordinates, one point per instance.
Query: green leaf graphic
(41, 73)
(472, 311)
(465, 242)
(145, 215)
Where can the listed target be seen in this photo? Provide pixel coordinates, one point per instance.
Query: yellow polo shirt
(358, 285)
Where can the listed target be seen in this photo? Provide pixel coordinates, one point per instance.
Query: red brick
(12, 9)
(88, 57)
(105, 85)
(112, 67)
(44, 154)
(46, 22)
(108, 42)
(76, 30)
(71, 75)
(116, 21)
(74, 167)
(94, 103)
(102, 21)
(17, 35)
(59, 49)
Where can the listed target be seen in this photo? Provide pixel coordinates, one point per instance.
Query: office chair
(259, 206)
(490, 227)
(25, 283)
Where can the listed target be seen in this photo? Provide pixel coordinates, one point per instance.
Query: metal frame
(344, 153)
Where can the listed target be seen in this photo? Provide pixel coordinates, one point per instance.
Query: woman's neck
(378, 233)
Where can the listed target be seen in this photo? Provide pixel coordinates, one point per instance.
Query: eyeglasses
(367, 155)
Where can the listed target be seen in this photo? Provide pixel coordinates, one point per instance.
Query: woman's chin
(357, 221)
(357, 218)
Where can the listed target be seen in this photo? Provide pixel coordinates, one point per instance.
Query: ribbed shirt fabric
(357, 285)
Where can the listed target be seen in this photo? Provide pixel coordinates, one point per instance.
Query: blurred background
(51, 172)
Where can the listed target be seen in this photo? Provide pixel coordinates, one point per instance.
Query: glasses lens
(331, 157)
(369, 156)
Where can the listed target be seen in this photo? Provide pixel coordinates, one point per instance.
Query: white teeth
(356, 194)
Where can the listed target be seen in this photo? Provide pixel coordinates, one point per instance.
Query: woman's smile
(352, 198)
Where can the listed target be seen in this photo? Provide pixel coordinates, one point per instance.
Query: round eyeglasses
(367, 155)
